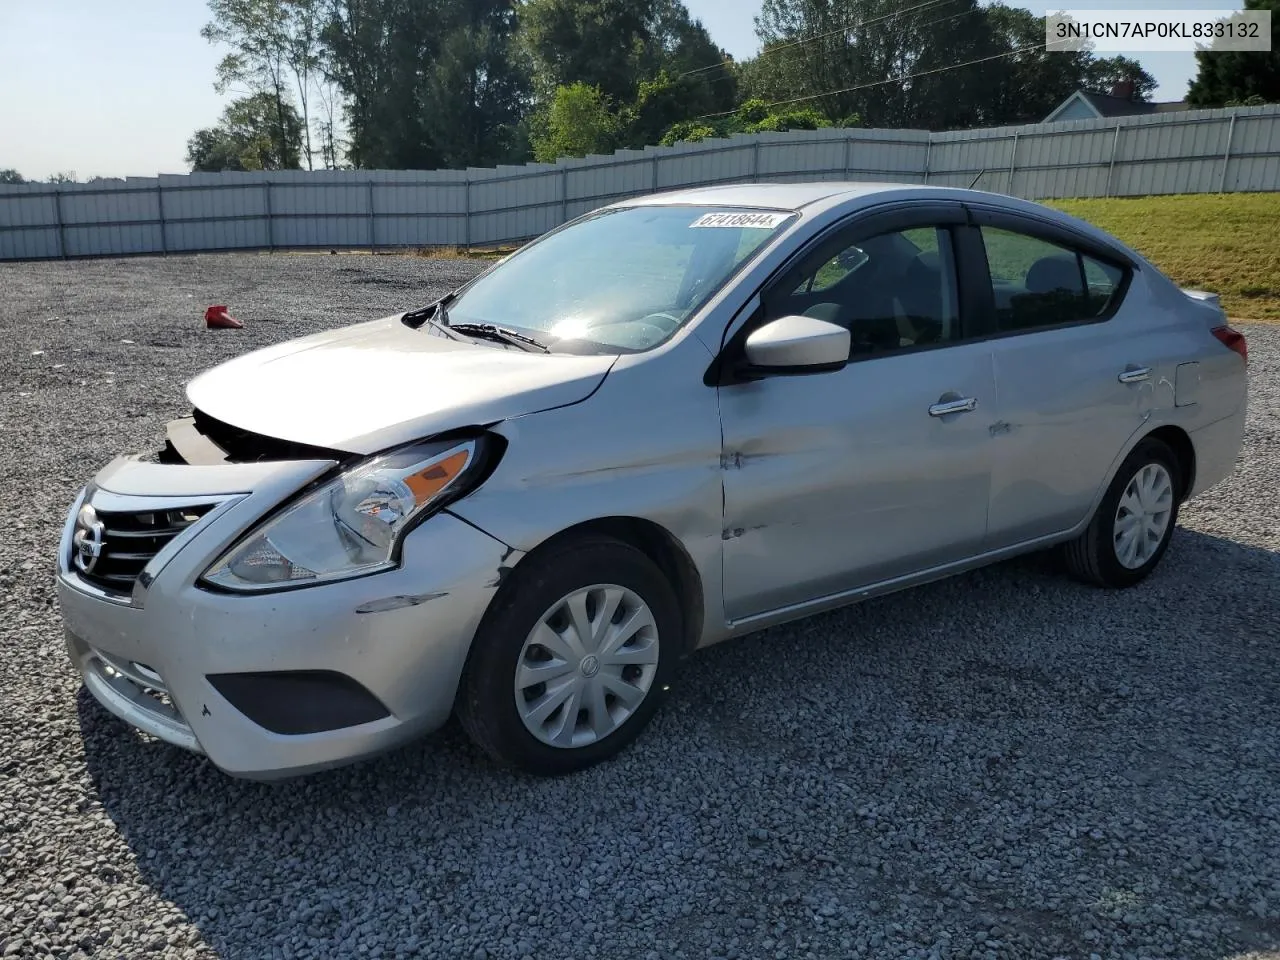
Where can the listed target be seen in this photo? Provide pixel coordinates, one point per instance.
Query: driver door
(840, 480)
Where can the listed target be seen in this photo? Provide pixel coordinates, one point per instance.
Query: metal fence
(1202, 151)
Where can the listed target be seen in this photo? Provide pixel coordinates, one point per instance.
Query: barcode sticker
(764, 221)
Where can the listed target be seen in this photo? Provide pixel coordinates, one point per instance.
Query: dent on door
(841, 480)
(1072, 398)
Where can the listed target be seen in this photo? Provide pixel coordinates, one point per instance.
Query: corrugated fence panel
(1189, 152)
(318, 214)
(34, 244)
(101, 223)
(807, 159)
(1255, 154)
(602, 183)
(28, 222)
(954, 162)
(895, 155)
(712, 161)
(215, 212)
(1068, 164)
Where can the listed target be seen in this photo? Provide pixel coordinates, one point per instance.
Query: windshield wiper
(491, 331)
(436, 314)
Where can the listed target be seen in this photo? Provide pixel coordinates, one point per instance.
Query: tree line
(423, 84)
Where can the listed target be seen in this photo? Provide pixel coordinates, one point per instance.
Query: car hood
(374, 385)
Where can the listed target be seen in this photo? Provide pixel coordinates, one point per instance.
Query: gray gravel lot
(1006, 764)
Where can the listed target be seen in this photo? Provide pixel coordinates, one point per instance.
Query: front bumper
(398, 638)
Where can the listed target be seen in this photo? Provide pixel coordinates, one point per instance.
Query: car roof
(776, 196)
(815, 197)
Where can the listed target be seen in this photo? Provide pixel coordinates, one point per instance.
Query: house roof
(1107, 106)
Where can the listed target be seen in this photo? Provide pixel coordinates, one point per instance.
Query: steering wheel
(671, 322)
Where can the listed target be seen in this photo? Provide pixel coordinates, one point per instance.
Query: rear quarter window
(1103, 281)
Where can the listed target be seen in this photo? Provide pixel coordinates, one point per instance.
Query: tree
(577, 123)
(663, 102)
(681, 47)
(889, 64)
(428, 83)
(599, 43)
(9, 175)
(372, 57)
(330, 96)
(265, 47)
(1104, 75)
(1231, 77)
(213, 150)
(1032, 80)
(754, 116)
(649, 58)
(302, 23)
(248, 138)
(63, 176)
(475, 88)
(951, 65)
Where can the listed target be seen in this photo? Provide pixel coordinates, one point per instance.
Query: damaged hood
(368, 387)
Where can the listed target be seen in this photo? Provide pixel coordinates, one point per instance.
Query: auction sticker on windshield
(766, 221)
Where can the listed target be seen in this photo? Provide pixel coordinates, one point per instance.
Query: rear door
(1073, 380)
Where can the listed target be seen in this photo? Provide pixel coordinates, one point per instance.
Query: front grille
(131, 539)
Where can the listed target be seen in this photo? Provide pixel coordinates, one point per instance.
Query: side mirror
(796, 345)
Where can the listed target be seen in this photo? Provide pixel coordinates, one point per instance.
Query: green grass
(1227, 243)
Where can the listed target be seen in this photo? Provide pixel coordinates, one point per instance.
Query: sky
(115, 89)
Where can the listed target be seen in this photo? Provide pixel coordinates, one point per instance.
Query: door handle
(944, 407)
(1134, 374)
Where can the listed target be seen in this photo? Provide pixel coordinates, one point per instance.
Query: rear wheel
(572, 660)
(1134, 523)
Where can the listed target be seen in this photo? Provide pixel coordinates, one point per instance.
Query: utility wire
(927, 23)
(848, 28)
(880, 83)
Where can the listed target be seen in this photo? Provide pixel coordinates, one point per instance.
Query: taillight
(1232, 340)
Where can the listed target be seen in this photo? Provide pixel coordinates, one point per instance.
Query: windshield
(621, 281)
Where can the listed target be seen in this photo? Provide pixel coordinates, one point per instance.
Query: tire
(1100, 555)
(502, 718)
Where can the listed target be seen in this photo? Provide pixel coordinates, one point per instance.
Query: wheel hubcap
(587, 666)
(1142, 517)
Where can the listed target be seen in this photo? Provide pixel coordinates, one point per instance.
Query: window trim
(1070, 240)
(950, 215)
(980, 215)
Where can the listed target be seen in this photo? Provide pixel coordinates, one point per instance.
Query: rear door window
(1037, 283)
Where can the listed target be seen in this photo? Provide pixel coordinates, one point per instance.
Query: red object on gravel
(217, 318)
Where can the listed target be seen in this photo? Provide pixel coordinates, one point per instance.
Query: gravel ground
(1006, 764)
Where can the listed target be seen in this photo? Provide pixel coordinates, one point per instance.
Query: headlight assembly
(351, 525)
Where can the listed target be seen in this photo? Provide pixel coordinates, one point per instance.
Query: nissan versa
(672, 421)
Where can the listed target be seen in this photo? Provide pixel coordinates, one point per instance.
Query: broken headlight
(351, 525)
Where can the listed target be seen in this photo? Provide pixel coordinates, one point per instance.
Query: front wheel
(572, 660)
(1134, 523)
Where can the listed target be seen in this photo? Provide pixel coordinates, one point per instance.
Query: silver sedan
(673, 421)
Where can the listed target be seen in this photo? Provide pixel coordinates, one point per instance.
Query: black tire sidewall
(487, 693)
(1112, 570)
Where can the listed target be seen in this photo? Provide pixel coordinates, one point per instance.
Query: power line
(777, 48)
(880, 83)
(928, 23)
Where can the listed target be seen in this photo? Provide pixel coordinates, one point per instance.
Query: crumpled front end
(268, 684)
